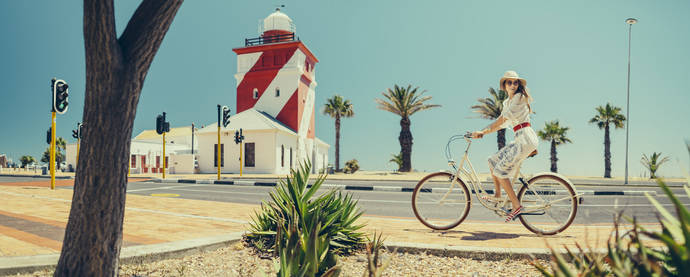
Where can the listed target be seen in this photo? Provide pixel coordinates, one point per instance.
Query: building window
(249, 154)
(166, 162)
(133, 159)
(222, 155)
(255, 94)
(290, 157)
(282, 156)
(277, 92)
(158, 161)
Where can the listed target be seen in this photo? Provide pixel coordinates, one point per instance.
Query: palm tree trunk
(405, 139)
(115, 73)
(337, 143)
(554, 166)
(501, 138)
(607, 152)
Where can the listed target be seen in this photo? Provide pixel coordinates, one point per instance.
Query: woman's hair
(524, 91)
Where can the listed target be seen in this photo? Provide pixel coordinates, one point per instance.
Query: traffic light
(49, 135)
(159, 125)
(226, 116)
(60, 95)
(238, 136)
(76, 133)
(81, 131)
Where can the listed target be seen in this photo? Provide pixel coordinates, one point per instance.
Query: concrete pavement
(33, 218)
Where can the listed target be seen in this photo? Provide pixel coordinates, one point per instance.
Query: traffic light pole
(218, 150)
(240, 158)
(163, 155)
(52, 153)
(78, 143)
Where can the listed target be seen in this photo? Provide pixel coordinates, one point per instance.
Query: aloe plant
(628, 255)
(337, 218)
(374, 246)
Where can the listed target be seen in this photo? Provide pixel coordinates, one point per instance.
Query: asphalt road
(593, 210)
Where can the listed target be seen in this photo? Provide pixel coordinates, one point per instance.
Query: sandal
(514, 214)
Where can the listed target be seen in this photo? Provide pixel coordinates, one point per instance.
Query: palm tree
(654, 163)
(491, 108)
(336, 107)
(26, 160)
(608, 115)
(404, 102)
(396, 159)
(554, 133)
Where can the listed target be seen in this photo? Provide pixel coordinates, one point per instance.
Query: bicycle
(441, 200)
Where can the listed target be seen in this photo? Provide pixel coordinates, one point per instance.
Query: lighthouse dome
(277, 21)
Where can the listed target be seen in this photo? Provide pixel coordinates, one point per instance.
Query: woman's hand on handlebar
(477, 134)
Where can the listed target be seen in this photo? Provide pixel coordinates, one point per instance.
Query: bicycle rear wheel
(549, 204)
(439, 203)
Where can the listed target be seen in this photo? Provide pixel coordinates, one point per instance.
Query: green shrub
(374, 267)
(628, 256)
(351, 166)
(338, 213)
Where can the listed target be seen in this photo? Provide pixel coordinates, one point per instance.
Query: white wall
(288, 141)
(71, 155)
(181, 164)
(263, 155)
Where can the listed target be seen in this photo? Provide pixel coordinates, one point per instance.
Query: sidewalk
(32, 222)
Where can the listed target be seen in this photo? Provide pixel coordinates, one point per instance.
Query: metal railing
(270, 39)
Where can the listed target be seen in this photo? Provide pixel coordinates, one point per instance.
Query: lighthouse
(276, 79)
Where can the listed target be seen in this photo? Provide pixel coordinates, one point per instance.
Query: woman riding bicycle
(515, 114)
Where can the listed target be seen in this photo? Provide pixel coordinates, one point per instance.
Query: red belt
(520, 126)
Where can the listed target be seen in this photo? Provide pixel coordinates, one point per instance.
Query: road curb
(379, 188)
(128, 255)
(36, 176)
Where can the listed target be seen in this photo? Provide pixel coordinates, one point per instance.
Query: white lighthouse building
(275, 106)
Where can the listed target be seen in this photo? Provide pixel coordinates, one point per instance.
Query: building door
(249, 154)
(143, 164)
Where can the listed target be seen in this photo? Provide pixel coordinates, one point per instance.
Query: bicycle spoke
(439, 203)
(550, 205)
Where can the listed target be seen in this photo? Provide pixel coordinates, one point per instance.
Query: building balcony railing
(270, 39)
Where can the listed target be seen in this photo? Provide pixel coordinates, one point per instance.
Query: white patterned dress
(504, 162)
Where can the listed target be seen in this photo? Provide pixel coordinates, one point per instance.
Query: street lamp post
(630, 22)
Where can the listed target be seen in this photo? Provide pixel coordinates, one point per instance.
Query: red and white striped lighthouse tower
(275, 75)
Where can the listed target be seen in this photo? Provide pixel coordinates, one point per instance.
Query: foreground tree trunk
(554, 159)
(607, 152)
(405, 139)
(115, 73)
(501, 138)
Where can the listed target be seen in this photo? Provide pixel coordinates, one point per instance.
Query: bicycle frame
(475, 185)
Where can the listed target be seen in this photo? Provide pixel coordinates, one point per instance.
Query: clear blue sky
(572, 53)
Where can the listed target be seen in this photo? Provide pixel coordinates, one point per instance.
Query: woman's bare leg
(497, 184)
(507, 186)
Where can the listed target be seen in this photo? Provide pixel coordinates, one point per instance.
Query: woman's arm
(493, 127)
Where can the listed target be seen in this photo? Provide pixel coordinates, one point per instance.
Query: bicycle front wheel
(549, 204)
(439, 203)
